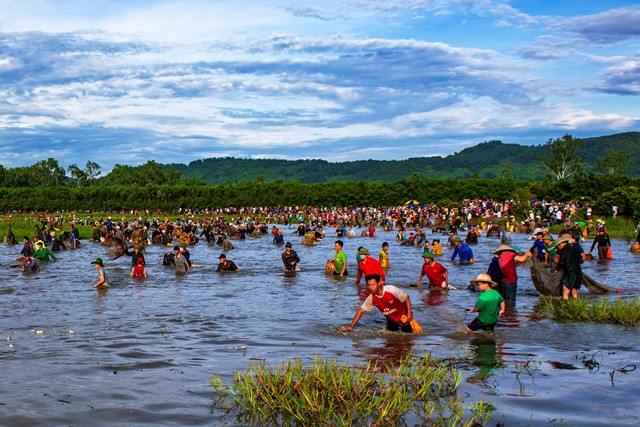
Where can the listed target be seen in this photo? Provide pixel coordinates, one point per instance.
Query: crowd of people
(498, 285)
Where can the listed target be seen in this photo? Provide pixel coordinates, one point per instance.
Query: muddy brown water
(143, 353)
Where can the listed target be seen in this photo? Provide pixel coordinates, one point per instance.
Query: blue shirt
(463, 251)
(539, 244)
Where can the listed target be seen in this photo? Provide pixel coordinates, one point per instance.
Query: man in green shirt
(340, 260)
(490, 304)
(42, 253)
(550, 249)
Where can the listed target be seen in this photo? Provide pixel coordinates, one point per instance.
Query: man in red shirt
(507, 258)
(392, 302)
(369, 265)
(436, 273)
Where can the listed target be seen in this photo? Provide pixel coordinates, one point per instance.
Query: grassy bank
(332, 393)
(622, 228)
(620, 311)
(25, 225)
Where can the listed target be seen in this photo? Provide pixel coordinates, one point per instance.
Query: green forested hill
(487, 160)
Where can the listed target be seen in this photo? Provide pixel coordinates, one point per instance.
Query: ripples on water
(143, 353)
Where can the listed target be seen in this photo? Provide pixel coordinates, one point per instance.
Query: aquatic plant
(620, 311)
(331, 393)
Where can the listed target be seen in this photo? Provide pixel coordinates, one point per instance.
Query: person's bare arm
(355, 320)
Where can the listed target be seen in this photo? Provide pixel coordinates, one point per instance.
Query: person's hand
(501, 313)
(347, 329)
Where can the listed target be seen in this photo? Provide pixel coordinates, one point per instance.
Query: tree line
(601, 191)
(156, 186)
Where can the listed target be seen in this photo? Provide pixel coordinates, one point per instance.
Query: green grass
(623, 228)
(620, 311)
(332, 393)
(24, 225)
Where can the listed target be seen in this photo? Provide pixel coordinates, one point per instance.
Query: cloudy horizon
(118, 82)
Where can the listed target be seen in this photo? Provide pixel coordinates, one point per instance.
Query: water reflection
(486, 356)
(387, 354)
(435, 297)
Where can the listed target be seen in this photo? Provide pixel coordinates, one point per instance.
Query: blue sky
(175, 81)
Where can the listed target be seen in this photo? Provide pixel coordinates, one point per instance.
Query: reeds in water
(620, 311)
(332, 393)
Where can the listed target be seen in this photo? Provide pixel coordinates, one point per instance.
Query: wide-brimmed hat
(363, 251)
(97, 261)
(600, 221)
(504, 248)
(457, 239)
(428, 255)
(548, 237)
(485, 278)
(561, 240)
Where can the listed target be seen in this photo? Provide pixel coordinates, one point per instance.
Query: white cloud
(213, 78)
(610, 26)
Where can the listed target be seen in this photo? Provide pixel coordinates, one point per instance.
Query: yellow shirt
(384, 259)
(437, 249)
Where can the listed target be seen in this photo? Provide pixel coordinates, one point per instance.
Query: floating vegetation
(620, 311)
(332, 393)
(625, 370)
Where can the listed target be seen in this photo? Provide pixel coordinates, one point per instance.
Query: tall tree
(614, 162)
(563, 162)
(48, 173)
(77, 174)
(91, 170)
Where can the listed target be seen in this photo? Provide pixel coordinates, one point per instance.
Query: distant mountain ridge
(487, 160)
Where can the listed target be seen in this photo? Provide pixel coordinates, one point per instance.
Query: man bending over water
(392, 302)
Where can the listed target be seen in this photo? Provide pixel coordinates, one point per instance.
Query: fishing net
(139, 235)
(548, 283)
(114, 248)
(545, 282)
(184, 239)
(493, 231)
(594, 286)
(330, 267)
(505, 236)
(450, 313)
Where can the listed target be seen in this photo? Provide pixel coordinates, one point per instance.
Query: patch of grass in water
(620, 311)
(330, 393)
